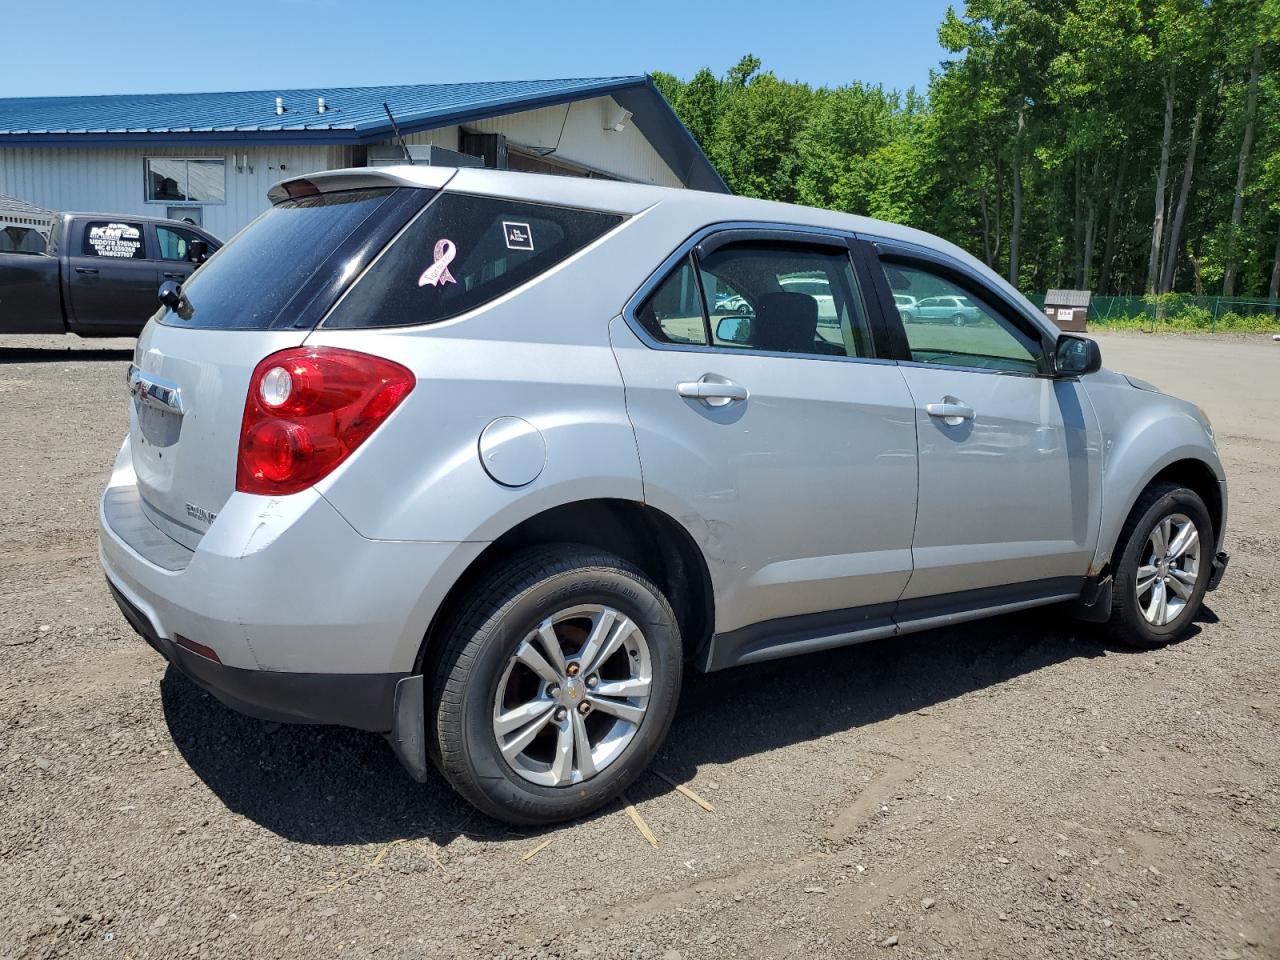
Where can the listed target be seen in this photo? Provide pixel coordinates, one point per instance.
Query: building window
(171, 179)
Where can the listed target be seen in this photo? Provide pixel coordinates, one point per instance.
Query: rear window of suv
(254, 278)
(461, 252)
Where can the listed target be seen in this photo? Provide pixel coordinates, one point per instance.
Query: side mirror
(198, 251)
(734, 329)
(170, 294)
(1076, 356)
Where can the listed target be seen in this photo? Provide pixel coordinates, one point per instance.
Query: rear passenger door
(1010, 456)
(774, 432)
(112, 280)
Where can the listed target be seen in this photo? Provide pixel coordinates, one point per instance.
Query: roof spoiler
(360, 178)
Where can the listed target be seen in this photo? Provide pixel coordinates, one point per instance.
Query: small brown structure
(1069, 309)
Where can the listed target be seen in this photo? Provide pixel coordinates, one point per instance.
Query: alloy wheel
(1169, 568)
(573, 695)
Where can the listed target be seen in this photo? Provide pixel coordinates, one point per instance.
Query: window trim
(146, 186)
(881, 251)
(757, 232)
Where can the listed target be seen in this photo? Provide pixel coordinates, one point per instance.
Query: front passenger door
(1010, 460)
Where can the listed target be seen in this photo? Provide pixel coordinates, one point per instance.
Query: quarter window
(947, 325)
(673, 312)
(461, 252)
(200, 180)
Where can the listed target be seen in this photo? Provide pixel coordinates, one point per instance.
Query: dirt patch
(1010, 788)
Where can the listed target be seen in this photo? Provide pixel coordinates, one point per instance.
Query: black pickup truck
(99, 274)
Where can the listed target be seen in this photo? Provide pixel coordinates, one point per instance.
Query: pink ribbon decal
(438, 272)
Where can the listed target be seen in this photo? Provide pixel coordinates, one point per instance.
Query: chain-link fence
(1176, 311)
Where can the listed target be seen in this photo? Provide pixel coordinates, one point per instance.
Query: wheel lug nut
(553, 691)
(573, 669)
(593, 682)
(584, 708)
(561, 713)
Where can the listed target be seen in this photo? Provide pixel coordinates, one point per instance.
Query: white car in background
(906, 305)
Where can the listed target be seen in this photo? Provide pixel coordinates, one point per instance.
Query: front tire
(557, 684)
(1164, 563)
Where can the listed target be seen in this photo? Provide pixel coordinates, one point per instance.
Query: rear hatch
(264, 291)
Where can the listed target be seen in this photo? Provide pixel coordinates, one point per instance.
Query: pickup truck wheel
(1163, 567)
(558, 682)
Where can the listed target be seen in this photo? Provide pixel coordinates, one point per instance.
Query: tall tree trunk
(1077, 236)
(1113, 211)
(1015, 230)
(999, 240)
(1273, 291)
(1157, 226)
(1090, 225)
(1242, 174)
(1180, 213)
(986, 221)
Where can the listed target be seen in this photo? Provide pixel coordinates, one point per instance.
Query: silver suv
(480, 460)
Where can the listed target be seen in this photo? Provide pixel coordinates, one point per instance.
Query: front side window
(115, 239)
(175, 243)
(949, 326)
(785, 299)
(200, 180)
(462, 252)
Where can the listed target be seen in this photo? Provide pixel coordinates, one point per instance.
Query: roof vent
(279, 106)
(321, 106)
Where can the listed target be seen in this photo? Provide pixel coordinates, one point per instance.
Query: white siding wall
(111, 179)
(627, 154)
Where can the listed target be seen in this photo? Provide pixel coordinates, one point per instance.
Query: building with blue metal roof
(211, 157)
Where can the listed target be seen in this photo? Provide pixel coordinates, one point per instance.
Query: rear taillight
(308, 408)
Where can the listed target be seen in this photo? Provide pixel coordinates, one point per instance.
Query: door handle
(86, 269)
(715, 392)
(950, 410)
(174, 276)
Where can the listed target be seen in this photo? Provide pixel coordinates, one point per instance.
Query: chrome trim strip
(154, 391)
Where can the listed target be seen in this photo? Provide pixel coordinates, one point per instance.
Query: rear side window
(116, 239)
(252, 279)
(461, 252)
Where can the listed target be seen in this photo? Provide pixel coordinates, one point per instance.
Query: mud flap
(408, 736)
(1094, 602)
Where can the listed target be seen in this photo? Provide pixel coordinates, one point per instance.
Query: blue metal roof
(354, 115)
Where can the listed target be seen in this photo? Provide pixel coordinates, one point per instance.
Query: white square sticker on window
(518, 235)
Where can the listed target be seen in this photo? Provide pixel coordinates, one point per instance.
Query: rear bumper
(360, 700)
(309, 621)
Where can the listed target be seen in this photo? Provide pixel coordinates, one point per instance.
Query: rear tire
(499, 676)
(958, 319)
(1157, 592)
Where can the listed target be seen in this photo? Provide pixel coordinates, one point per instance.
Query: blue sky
(141, 46)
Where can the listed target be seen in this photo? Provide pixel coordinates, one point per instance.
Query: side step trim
(808, 633)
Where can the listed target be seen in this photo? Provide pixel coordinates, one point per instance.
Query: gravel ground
(1005, 789)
